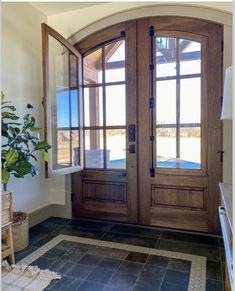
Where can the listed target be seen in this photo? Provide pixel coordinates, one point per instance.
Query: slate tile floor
(87, 267)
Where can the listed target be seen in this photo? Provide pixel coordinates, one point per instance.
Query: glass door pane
(62, 103)
(178, 103)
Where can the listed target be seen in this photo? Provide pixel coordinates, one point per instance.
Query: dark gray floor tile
(67, 245)
(90, 260)
(214, 285)
(154, 272)
(62, 267)
(130, 268)
(157, 261)
(58, 220)
(136, 230)
(100, 275)
(36, 236)
(211, 252)
(44, 240)
(79, 271)
(122, 281)
(20, 255)
(110, 263)
(83, 248)
(111, 288)
(72, 256)
(213, 270)
(194, 238)
(96, 234)
(177, 264)
(130, 239)
(149, 284)
(92, 224)
(99, 251)
(117, 254)
(43, 227)
(166, 286)
(54, 253)
(90, 286)
(67, 283)
(137, 257)
(43, 263)
(176, 277)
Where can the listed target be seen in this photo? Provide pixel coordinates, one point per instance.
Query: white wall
(22, 84)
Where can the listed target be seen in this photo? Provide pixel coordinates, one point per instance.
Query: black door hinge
(222, 46)
(151, 30)
(152, 138)
(43, 101)
(71, 197)
(151, 102)
(221, 155)
(152, 172)
(151, 67)
(123, 33)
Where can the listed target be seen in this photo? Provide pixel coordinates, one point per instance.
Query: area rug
(29, 278)
(100, 250)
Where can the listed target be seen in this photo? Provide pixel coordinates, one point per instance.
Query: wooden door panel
(179, 197)
(186, 219)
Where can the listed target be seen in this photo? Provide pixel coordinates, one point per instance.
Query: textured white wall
(22, 84)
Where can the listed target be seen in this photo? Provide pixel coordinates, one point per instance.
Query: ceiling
(52, 8)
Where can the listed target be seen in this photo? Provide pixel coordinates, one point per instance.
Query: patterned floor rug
(28, 278)
(90, 264)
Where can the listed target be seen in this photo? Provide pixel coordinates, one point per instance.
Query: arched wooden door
(151, 123)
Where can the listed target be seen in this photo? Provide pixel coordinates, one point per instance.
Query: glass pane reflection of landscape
(178, 99)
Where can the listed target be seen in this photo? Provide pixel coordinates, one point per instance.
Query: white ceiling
(52, 8)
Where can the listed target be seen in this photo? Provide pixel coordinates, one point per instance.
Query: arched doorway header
(156, 10)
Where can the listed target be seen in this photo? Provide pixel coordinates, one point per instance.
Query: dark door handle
(131, 132)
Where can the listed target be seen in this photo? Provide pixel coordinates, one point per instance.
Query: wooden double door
(151, 124)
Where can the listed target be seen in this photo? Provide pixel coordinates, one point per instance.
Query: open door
(62, 103)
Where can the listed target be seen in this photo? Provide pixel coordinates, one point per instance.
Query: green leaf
(9, 107)
(29, 121)
(14, 130)
(12, 157)
(2, 96)
(45, 156)
(42, 145)
(36, 129)
(22, 168)
(17, 175)
(5, 176)
(9, 115)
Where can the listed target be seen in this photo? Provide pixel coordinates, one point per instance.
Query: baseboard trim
(39, 215)
(51, 210)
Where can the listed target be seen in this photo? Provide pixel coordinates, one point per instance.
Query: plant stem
(5, 187)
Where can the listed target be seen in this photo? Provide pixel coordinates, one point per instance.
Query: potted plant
(20, 142)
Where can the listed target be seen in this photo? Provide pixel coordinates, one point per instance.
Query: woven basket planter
(20, 231)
